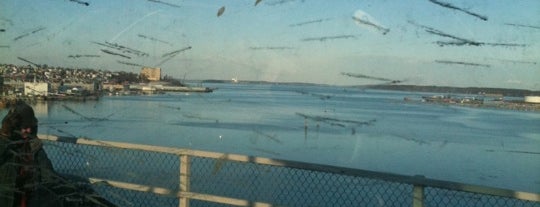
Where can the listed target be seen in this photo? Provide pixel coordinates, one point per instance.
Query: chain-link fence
(137, 175)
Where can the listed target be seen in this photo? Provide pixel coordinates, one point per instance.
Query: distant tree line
(465, 90)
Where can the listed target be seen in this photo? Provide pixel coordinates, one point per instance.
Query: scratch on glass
(450, 6)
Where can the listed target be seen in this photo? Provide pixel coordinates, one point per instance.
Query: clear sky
(485, 43)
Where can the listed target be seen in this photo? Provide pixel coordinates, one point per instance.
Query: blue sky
(314, 41)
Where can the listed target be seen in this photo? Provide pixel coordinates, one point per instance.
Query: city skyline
(420, 42)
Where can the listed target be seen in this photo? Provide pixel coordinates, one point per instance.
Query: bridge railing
(141, 175)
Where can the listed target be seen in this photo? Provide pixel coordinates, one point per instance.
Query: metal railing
(141, 175)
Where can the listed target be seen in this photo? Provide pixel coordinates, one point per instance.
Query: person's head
(20, 121)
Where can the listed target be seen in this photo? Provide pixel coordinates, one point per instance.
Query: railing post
(184, 180)
(418, 196)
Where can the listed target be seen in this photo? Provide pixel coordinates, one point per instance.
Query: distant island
(465, 90)
(416, 88)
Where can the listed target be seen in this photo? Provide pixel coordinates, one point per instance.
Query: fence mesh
(124, 165)
(444, 197)
(285, 186)
(278, 185)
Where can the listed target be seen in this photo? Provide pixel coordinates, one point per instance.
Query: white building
(36, 89)
(532, 99)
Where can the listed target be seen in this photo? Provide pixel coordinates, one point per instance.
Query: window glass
(445, 89)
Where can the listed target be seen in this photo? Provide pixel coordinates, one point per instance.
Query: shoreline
(497, 105)
(7, 101)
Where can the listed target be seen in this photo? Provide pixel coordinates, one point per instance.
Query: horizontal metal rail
(171, 193)
(417, 181)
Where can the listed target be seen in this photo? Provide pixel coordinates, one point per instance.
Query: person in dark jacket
(27, 176)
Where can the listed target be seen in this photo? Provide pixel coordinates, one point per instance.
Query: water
(350, 127)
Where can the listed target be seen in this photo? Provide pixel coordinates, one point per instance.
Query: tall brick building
(153, 74)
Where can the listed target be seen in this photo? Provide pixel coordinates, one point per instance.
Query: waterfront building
(36, 89)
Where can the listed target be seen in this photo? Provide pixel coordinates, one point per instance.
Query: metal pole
(184, 180)
(418, 196)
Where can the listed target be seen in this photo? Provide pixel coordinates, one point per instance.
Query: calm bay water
(350, 127)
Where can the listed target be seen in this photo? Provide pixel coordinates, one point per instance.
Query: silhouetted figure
(27, 177)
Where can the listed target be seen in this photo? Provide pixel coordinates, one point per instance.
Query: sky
(462, 43)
